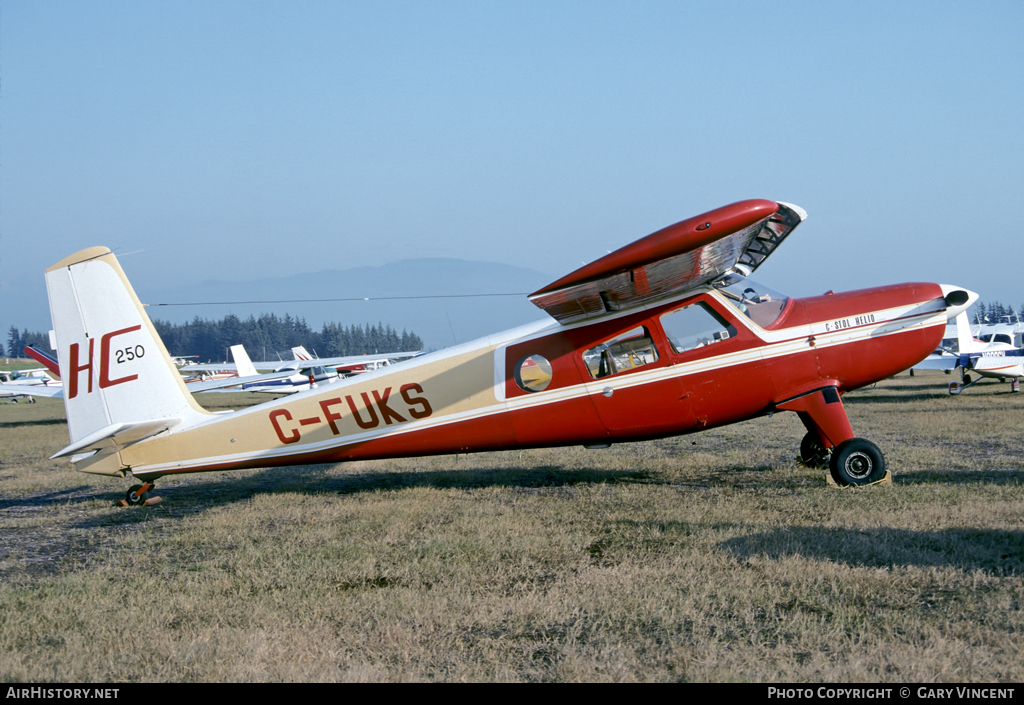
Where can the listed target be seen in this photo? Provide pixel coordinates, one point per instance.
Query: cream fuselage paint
(435, 390)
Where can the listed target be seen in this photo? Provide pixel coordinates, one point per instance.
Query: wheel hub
(859, 465)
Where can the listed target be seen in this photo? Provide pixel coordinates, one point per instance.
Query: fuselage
(639, 374)
(996, 360)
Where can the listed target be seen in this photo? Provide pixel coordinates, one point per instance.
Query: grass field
(713, 557)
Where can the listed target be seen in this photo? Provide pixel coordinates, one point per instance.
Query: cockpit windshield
(757, 302)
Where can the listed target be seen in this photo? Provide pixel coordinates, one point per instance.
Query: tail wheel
(812, 453)
(137, 494)
(857, 462)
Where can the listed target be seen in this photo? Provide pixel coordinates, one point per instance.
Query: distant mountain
(440, 322)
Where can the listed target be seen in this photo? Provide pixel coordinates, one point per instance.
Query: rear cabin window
(695, 326)
(533, 373)
(628, 351)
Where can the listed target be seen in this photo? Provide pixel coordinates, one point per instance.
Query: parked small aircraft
(15, 384)
(302, 359)
(284, 381)
(662, 337)
(994, 358)
(360, 368)
(301, 380)
(204, 373)
(1008, 329)
(199, 383)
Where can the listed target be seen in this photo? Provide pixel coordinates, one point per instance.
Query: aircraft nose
(957, 299)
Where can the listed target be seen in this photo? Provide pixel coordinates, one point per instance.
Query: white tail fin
(120, 385)
(964, 338)
(301, 354)
(243, 365)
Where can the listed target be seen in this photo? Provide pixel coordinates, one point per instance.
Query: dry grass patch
(703, 558)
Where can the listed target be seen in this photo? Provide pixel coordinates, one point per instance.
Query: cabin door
(632, 386)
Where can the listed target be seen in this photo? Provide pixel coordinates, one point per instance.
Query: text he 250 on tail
(662, 337)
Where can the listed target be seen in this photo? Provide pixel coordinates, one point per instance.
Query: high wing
(683, 256)
(218, 384)
(338, 361)
(53, 391)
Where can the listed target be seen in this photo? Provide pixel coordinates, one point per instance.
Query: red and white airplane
(664, 336)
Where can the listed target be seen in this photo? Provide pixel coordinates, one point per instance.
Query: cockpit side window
(695, 326)
(628, 351)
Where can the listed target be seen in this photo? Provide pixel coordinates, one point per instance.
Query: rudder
(243, 365)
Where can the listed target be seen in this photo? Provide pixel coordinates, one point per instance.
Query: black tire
(812, 453)
(857, 462)
(134, 497)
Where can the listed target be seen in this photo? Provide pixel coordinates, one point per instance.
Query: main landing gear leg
(139, 495)
(851, 461)
(966, 382)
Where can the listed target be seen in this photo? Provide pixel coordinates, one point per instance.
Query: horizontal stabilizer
(117, 436)
(676, 259)
(939, 362)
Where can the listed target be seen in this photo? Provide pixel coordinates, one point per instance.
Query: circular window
(533, 373)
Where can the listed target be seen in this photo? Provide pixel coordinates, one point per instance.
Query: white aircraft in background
(21, 383)
(242, 368)
(286, 380)
(303, 359)
(1004, 330)
(36, 383)
(992, 358)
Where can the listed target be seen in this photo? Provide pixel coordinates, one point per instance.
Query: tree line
(993, 312)
(18, 341)
(263, 338)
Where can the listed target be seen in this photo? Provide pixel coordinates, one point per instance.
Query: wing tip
(800, 212)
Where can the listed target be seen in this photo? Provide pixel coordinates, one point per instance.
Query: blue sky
(240, 140)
